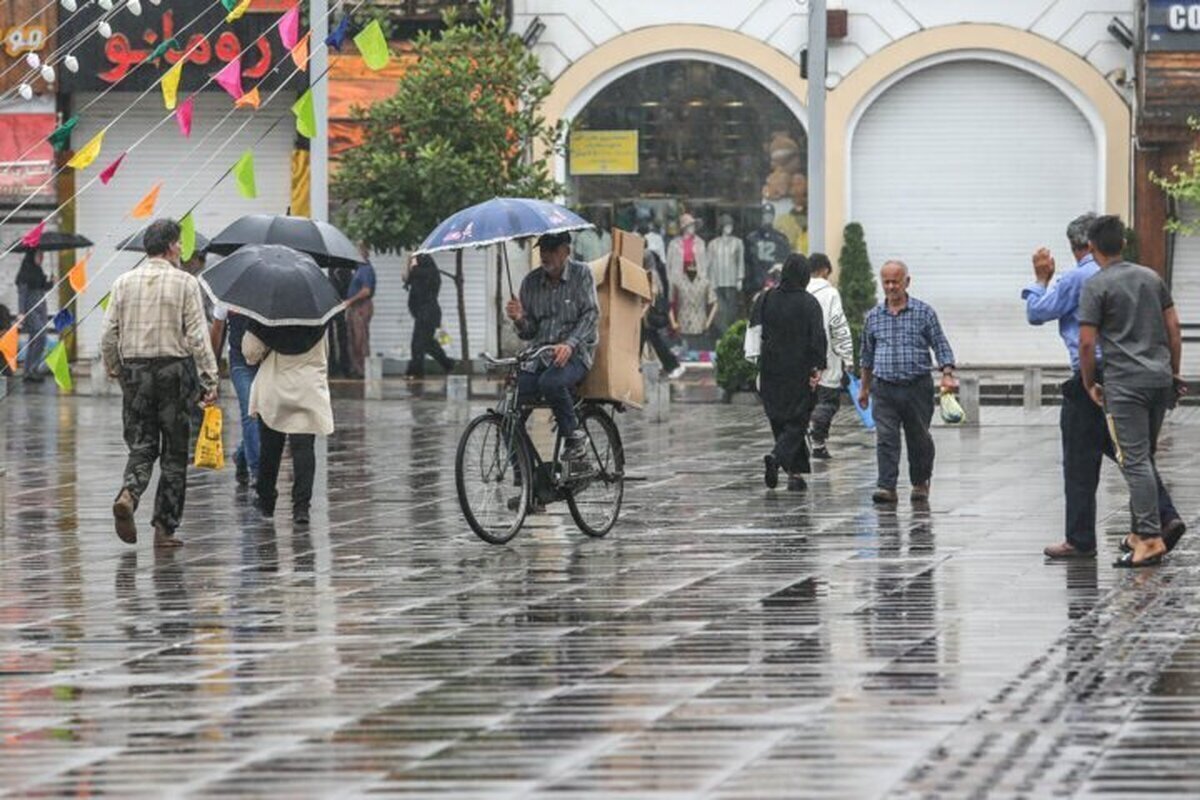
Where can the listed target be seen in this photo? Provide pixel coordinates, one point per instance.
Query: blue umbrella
(502, 219)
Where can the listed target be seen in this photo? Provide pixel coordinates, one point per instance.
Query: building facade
(961, 135)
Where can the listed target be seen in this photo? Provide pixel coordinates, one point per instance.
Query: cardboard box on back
(624, 291)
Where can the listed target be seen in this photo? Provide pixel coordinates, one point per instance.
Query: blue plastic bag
(868, 418)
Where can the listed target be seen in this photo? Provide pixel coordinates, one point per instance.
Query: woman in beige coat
(290, 397)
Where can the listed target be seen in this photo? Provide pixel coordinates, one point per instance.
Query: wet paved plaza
(723, 641)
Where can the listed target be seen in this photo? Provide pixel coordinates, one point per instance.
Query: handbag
(752, 347)
(210, 454)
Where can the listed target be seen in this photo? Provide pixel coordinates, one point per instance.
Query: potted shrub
(734, 373)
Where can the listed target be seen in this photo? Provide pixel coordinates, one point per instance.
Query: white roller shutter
(962, 170)
(1185, 289)
(102, 211)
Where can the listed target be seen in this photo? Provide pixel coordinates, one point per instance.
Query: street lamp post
(318, 156)
(817, 39)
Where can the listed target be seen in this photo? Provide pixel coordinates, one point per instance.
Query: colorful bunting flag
(243, 173)
(170, 84)
(238, 11)
(103, 304)
(8, 346)
(34, 237)
(169, 44)
(111, 169)
(230, 77)
(183, 115)
(338, 37)
(56, 360)
(230, 5)
(145, 207)
(300, 52)
(77, 277)
(289, 27)
(84, 157)
(62, 320)
(306, 117)
(61, 136)
(187, 237)
(373, 46)
(249, 100)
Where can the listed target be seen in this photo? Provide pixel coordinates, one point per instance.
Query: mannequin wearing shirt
(726, 270)
(685, 248)
(765, 247)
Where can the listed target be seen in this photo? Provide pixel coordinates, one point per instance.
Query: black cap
(549, 241)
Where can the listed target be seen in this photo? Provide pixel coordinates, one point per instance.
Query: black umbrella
(274, 285)
(54, 240)
(328, 246)
(136, 244)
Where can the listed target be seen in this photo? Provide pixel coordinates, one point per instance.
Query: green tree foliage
(856, 281)
(1183, 185)
(734, 372)
(464, 126)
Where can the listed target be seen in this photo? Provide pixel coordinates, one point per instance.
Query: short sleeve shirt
(1125, 303)
(693, 299)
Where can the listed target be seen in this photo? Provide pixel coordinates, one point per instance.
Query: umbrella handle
(507, 270)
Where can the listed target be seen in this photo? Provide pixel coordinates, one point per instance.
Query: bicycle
(499, 474)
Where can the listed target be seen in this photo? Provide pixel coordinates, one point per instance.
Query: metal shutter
(166, 156)
(1185, 289)
(962, 170)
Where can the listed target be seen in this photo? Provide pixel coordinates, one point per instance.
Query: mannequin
(726, 270)
(647, 226)
(765, 247)
(794, 223)
(686, 248)
(594, 243)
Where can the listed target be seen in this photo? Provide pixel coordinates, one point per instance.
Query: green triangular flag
(306, 117)
(57, 362)
(230, 5)
(161, 50)
(373, 46)
(243, 173)
(104, 301)
(61, 137)
(187, 233)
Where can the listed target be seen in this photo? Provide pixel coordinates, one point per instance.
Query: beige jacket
(290, 393)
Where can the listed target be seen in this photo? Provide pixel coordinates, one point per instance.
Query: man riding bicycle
(558, 307)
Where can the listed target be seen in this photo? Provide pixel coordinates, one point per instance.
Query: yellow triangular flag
(373, 46)
(103, 304)
(8, 347)
(83, 158)
(300, 52)
(77, 277)
(187, 237)
(145, 207)
(306, 117)
(60, 367)
(249, 100)
(170, 84)
(239, 11)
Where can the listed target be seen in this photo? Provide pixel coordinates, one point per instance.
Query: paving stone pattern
(723, 641)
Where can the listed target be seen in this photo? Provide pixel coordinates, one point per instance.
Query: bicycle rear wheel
(493, 476)
(595, 501)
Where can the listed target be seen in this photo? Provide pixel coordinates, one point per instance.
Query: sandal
(1126, 561)
(1170, 537)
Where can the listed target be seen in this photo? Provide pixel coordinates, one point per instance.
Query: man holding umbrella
(155, 341)
(558, 306)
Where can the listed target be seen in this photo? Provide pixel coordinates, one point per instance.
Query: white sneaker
(676, 373)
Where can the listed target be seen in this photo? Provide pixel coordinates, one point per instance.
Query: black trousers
(1085, 443)
(828, 402)
(791, 444)
(304, 465)
(907, 408)
(661, 349)
(424, 342)
(157, 399)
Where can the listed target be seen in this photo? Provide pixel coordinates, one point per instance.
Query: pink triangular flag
(34, 237)
(111, 170)
(183, 115)
(289, 27)
(230, 77)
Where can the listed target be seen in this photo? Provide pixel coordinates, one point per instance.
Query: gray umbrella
(274, 285)
(328, 246)
(134, 243)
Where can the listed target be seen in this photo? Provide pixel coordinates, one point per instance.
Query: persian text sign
(26, 158)
(604, 153)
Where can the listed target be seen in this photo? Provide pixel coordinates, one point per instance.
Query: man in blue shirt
(1085, 439)
(896, 371)
(360, 307)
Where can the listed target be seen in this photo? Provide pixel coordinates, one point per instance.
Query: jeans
(552, 385)
(1085, 443)
(907, 407)
(1136, 417)
(828, 402)
(304, 466)
(247, 450)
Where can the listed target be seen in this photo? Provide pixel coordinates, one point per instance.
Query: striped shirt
(895, 347)
(156, 311)
(566, 312)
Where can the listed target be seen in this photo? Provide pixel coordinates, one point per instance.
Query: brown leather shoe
(123, 510)
(885, 497)
(1066, 550)
(920, 493)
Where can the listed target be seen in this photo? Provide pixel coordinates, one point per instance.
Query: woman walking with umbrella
(32, 285)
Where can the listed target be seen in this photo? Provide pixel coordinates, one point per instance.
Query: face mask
(727, 230)
(690, 230)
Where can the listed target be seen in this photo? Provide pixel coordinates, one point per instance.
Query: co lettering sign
(1173, 25)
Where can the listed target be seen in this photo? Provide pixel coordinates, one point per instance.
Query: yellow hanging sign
(604, 153)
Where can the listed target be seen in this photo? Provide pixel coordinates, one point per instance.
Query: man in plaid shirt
(156, 342)
(896, 341)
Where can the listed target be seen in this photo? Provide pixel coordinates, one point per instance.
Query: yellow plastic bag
(209, 452)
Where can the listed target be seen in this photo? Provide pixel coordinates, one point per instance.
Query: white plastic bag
(752, 348)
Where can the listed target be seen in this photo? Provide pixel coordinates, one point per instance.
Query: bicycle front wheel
(493, 476)
(595, 501)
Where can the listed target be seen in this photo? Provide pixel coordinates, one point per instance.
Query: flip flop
(1126, 561)
(1169, 539)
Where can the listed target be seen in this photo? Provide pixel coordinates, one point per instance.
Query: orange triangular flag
(249, 99)
(77, 277)
(300, 52)
(8, 347)
(145, 207)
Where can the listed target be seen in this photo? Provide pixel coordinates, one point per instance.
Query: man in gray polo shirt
(1129, 309)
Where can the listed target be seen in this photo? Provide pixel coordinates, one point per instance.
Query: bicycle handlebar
(523, 357)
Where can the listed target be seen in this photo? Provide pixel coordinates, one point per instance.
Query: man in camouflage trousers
(156, 343)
